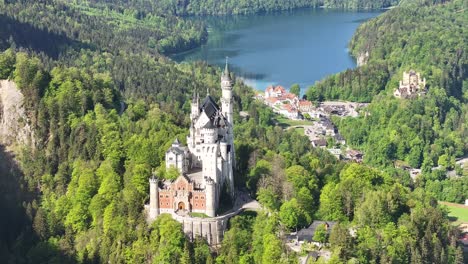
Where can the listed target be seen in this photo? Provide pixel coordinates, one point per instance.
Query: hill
(76, 194)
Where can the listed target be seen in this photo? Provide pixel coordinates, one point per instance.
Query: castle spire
(226, 68)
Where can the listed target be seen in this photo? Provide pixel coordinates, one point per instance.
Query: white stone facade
(205, 164)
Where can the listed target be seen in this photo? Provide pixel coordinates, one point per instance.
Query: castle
(412, 85)
(205, 164)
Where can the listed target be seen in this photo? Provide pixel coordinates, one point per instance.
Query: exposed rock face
(14, 123)
(362, 58)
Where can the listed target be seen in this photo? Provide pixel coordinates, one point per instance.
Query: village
(316, 122)
(314, 119)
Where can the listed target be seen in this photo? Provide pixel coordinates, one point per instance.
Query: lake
(301, 46)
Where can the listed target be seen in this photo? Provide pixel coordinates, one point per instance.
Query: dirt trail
(455, 205)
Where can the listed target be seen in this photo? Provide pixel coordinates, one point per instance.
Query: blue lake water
(301, 46)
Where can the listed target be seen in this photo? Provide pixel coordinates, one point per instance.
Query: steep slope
(14, 123)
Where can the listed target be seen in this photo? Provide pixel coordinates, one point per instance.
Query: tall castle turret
(210, 197)
(227, 110)
(226, 99)
(154, 198)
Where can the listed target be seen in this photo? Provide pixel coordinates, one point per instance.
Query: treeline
(357, 85)
(359, 4)
(205, 7)
(232, 7)
(108, 29)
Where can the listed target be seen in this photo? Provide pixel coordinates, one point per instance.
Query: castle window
(196, 197)
(167, 196)
(167, 203)
(202, 197)
(170, 158)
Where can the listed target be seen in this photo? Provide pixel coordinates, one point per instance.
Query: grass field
(300, 130)
(457, 212)
(284, 122)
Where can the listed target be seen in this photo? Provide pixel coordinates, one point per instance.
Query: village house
(339, 139)
(335, 152)
(289, 111)
(319, 143)
(305, 106)
(307, 234)
(282, 102)
(274, 91)
(273, 102)
(354, 155)
(327, 127)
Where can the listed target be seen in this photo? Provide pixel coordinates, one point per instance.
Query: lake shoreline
(301, 46)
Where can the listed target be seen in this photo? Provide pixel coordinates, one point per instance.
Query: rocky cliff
(362, 58)
(14, 123)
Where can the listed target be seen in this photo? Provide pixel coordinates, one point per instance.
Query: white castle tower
(205, 164)
(227, 107)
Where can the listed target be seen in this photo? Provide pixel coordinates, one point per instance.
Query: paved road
(243, 202)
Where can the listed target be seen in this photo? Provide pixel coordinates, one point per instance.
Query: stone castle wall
(212, 229)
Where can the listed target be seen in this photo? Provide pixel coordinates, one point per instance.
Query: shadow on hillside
(18, 241)
(31, 38)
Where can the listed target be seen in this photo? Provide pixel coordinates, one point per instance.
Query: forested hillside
(427, 132)
(235, 7)
(105, 106)
(109, 29)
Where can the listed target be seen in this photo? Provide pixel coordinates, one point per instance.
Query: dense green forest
(235, 7)
(109, 29)
(77, 195)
